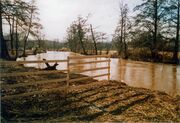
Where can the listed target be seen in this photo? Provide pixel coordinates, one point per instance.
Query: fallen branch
(49, 67)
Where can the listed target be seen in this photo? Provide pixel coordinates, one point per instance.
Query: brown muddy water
(154, 76)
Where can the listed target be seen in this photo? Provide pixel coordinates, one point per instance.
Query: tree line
(21, 18)
(83, 38)
(154, 29)
(148, 34)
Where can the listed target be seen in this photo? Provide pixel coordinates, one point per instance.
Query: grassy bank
(84, 101)
(145, 55)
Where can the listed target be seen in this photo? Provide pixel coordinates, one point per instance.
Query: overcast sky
(57, 15)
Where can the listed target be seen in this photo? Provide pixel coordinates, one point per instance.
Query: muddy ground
(89, 100)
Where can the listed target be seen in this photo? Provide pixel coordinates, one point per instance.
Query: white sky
(57, 15)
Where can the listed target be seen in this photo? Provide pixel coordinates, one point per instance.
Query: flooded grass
(85, 101)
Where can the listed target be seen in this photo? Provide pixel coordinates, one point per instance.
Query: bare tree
(21, 16)
(31, 24)
(72, 38)
(81, 27)
(174, 10)
(94, 40)
(82, 36)
(150, 17)
(4, 51)
(28, 30)
(121, 32)
(78, 31)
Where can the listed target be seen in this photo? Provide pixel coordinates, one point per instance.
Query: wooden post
(109, 60)
(68, 71)
(120, 68)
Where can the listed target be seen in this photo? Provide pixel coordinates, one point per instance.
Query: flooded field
(163, 77)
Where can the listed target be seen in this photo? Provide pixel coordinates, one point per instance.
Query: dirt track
(94, 101)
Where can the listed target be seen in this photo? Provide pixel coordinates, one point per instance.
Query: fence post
(68, 71)
(109, 60)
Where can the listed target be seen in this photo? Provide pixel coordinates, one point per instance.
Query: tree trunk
(125, 44)
(122, 28)
(95, 45)
(4, 51)
(80, 39)
(119, 46)
(10, 31)
(176, 47)
(12, 34)
(154, 51)
(17, 54)
(122, 23)
(27, 35)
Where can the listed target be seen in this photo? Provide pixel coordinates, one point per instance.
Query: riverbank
(13, 56)
(85, 101)
(145, 56)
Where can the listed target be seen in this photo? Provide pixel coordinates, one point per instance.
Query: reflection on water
(154, 76)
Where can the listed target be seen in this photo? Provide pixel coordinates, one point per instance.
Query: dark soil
(84, 101)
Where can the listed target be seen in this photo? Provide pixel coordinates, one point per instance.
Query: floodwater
(155, 76)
